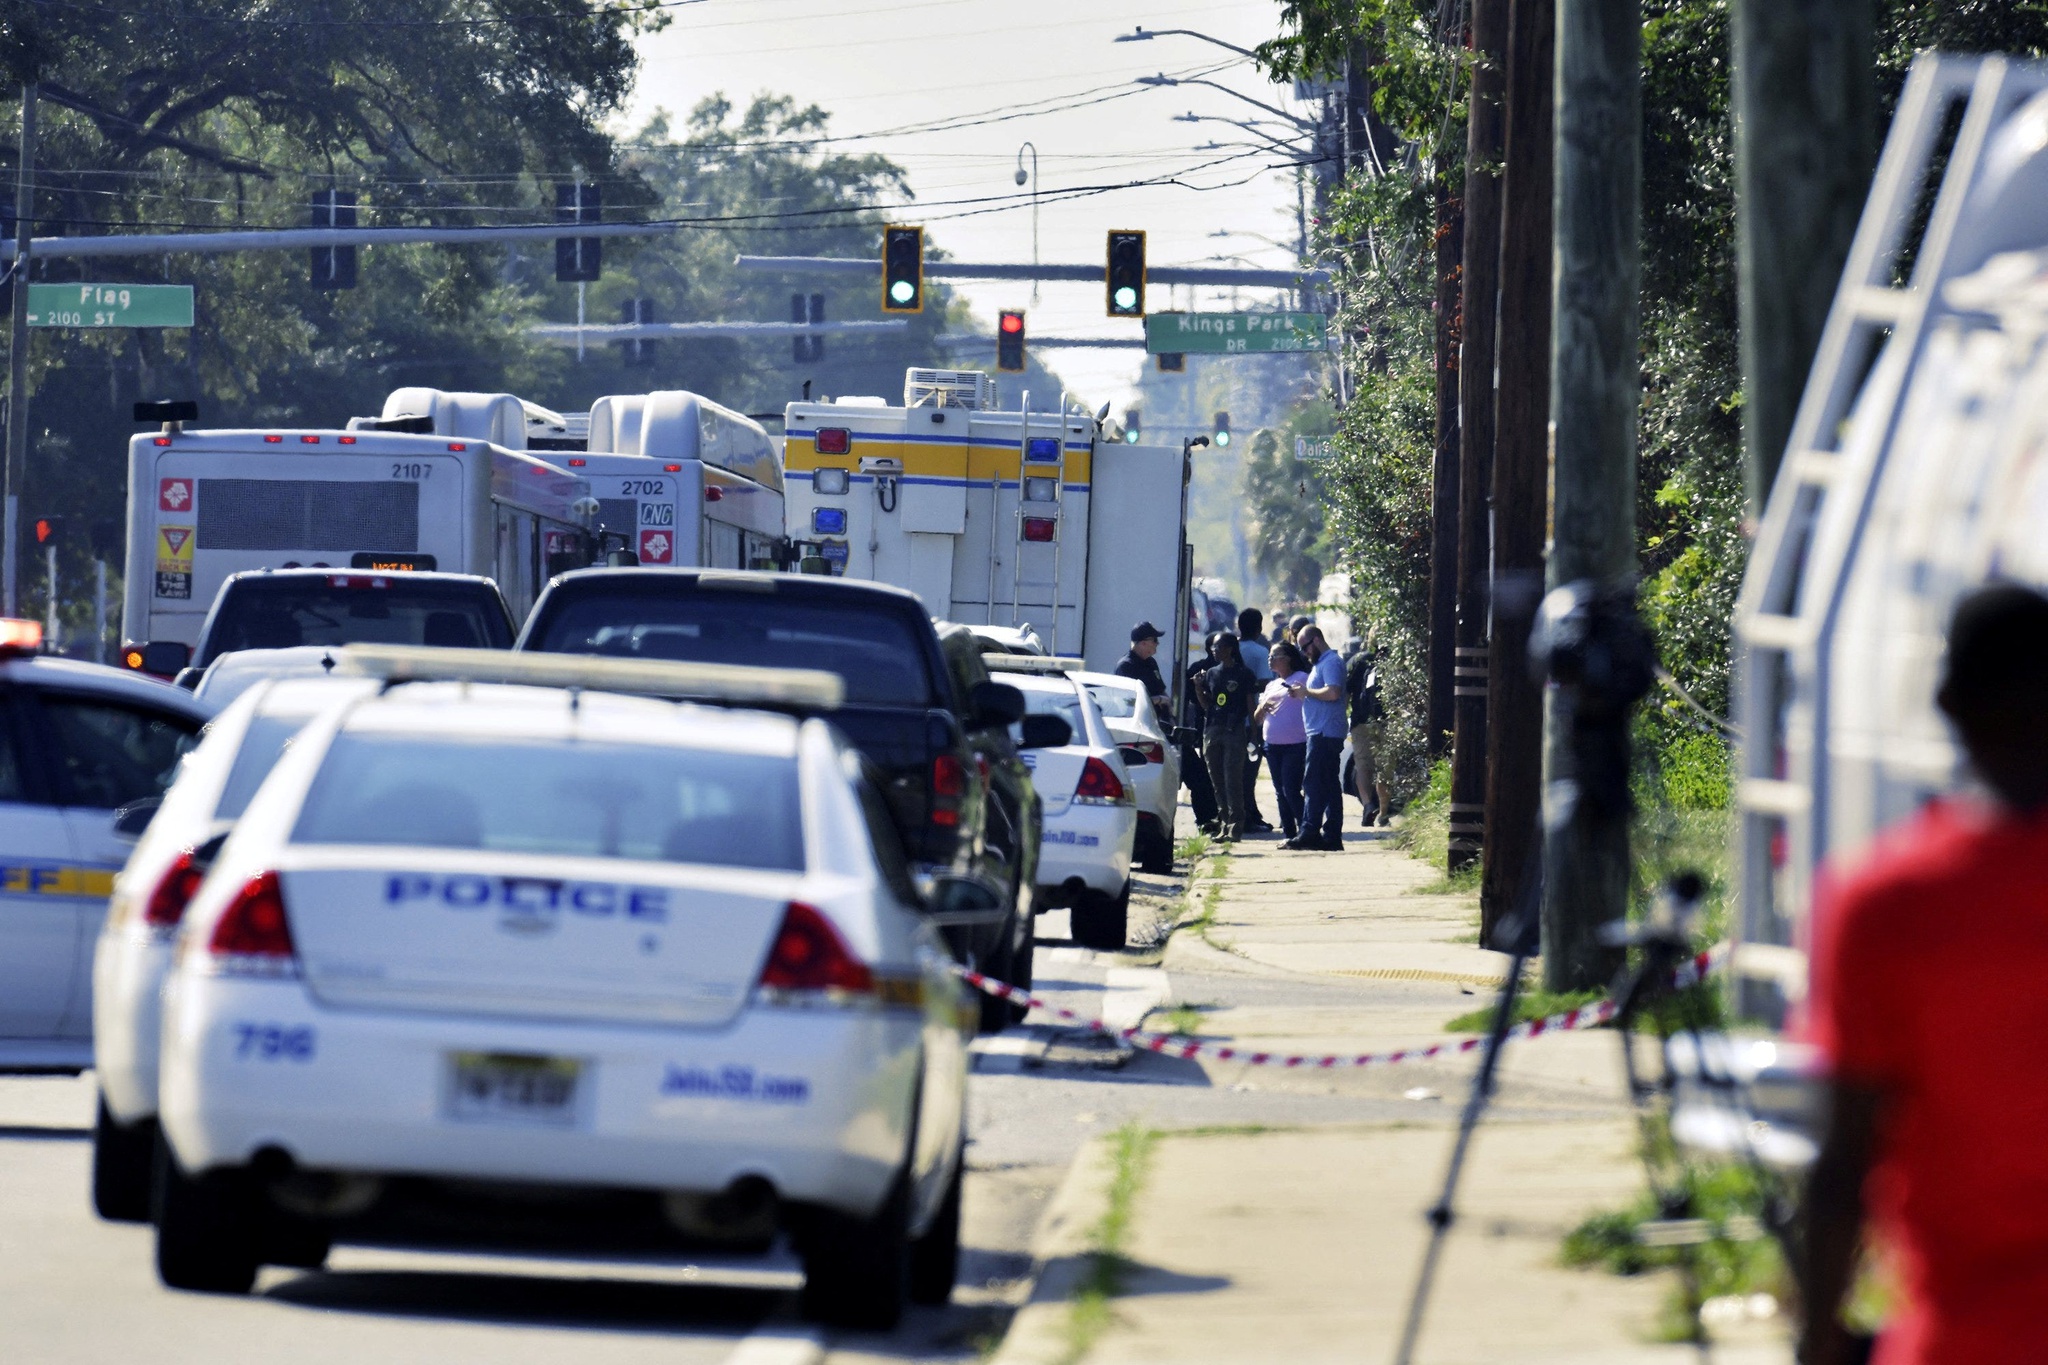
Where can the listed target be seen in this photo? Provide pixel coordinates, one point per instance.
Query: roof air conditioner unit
(946, 389)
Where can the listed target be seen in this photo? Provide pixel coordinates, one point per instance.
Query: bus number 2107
(412, 471)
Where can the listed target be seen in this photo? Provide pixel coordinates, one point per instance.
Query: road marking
(1007, 1052)
(1131, 994)
(779, 1346)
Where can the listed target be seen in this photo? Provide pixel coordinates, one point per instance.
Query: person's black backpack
(1366, 706)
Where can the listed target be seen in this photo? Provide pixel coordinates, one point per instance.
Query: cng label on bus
(174, 495)
(174, 560)
(657, 547)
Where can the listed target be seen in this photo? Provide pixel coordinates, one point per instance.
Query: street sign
(110, 305)
(1312, 448)
(1234, 333)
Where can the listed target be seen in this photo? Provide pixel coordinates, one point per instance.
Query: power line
(629, 11)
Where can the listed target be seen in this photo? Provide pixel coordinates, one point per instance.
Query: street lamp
(1141, 36)
(1032, 175)
(1163, 79)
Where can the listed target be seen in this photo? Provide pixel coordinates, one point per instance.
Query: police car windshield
(1115, 703)
(353, 608)
(262, 745)
(877, 653)
(646, 802)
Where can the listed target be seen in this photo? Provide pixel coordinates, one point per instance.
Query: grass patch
(1463, 882)
(1725, 1265)
(1090, 1313)
(1425, 830)
(1191, 848)
(1529, 1005)
(1184, 1019)
(1208, 1130)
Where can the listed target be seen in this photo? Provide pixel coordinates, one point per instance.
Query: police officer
(1140, 666)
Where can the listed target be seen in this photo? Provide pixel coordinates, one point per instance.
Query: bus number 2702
(642, 488)
(412, 471)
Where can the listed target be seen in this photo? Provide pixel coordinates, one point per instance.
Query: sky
(1048, 73)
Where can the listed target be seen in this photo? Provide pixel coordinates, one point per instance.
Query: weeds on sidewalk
(1191, 848)
(1184, 1019)
(1130, 1152)
(1425, 830)
(1529, 1005)
(1736, 1259)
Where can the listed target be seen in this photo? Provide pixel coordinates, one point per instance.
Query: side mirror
(1046, 732)
(1132, 755)
(132, 819)
(621, 559)
(164, 658)
(995, 704)
(188, 678)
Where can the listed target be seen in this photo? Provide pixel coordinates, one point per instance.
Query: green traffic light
(1222, 438)
(902, 291)
(1126, 297)
(1130, 438)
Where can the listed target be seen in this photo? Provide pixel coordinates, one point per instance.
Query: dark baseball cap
(1145, 630)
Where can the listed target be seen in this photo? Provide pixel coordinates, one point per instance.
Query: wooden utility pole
(1521, 464)
(1805, 124)
(1484, 140)
(1594, 395)
(1443, 520)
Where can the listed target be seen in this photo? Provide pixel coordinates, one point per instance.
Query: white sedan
(556, 967)
(1090, 813)
(170, 861)
(1128, 713)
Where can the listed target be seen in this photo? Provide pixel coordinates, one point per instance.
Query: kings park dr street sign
(110, 305)
(1234, 333)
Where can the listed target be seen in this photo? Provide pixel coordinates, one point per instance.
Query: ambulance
(384, 495)
(1004, 518)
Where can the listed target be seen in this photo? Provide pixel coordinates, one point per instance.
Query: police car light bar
(20, 637)
(810, 689)
(1031, 663)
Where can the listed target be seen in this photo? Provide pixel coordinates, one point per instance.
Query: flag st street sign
(110, 305)
(1234, 333)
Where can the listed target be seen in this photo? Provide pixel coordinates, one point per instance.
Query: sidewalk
(1301, 1244)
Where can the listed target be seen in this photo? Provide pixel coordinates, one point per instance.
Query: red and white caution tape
(1180, 1045)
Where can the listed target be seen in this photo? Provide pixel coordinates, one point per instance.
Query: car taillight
(1154, 751)
(254, 938)
(809, 957)
(1099, 784)
(949, 785)
(166, 905)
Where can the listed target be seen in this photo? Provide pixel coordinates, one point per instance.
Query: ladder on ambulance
(1053, 510)
(1793, 592)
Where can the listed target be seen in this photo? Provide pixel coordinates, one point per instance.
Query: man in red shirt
(1930, 1004)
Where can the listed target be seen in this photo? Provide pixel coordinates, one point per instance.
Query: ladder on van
(1055, 509)
(1792, 595)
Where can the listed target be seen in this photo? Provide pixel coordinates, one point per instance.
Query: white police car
(551, 967)
(1128, 714)
(78, 744)
(213, 787)
(1090, 813)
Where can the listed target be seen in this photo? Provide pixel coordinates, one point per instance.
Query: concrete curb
(1060, 1257)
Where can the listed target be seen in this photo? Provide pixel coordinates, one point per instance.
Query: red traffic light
(48, 530)
(1013, 322)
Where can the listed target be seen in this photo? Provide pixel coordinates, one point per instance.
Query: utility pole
(1443, 519)
(1805, 120)
(17, 361)
(1484, 137)
(1521, 464)
(1594, 395)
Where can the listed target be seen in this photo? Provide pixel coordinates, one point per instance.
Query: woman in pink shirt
(1286, 735)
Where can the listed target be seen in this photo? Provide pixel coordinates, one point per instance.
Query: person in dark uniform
(1140, 666)
(1194, 773)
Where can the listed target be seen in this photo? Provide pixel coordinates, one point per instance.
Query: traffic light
(334, 267)
(1131, 427)
(807, 350)
(636, 351)
(578, 260)
(1172, 362)
(903, 270)
(1125, 274)
(49, 531)
(1010, 341)
(1222, 434)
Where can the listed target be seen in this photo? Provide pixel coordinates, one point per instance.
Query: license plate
(506, 1087)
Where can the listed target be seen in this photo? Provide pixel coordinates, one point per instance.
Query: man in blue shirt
(1323, 714)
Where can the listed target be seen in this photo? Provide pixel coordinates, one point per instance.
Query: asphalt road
(74, 1289)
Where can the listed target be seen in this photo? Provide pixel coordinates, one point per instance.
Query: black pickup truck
(937, 736)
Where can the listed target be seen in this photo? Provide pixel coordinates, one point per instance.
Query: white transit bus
(206, 504)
